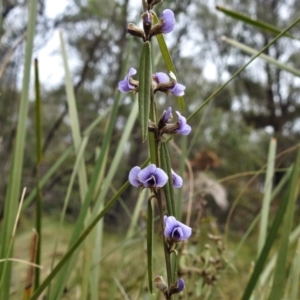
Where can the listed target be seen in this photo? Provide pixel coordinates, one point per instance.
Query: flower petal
(177, 180)
(133, 176)
(177, 233)
(146, 173)
(170, 223)
(169, 20)
(184, 128)
(161, 77)
(186, 231)
(124, 86)
(176, 230)
(177, 90)
(161, 177)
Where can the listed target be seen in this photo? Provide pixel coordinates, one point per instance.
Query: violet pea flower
(180, 284)
(177, 90)
(169, 21)
(125, 86)
(184, 128)
(177, 180)
(161, 77)
(149, 177)
(176, 230)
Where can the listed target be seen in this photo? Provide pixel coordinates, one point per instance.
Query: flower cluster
(152, 176)
(164, 125)
(160, 82)
(165, 25)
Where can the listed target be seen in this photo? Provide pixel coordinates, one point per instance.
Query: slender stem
(166, 248)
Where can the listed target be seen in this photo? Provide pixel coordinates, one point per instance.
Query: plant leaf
(144, 93)
(248, 20)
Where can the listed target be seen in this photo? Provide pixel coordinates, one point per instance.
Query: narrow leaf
(280, 269)
(168, 188)
(14, 186)
(269, 242)
(196, 110)
(150, 244)
(144, 93)
(38, 132)
(265, 57)
(248, 20)
(74, 119)
(267, 196)
(81, 238)
(295, 274)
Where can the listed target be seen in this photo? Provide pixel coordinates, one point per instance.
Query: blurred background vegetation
(230, 137)
(262, 102)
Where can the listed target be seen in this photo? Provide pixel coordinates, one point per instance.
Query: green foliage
(92, 139)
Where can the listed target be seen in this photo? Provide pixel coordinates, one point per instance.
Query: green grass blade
(74, 118)
(266, 249)
(136, 213)
(242, 69)
(38, 130)
(76, 167)
(264, 276)
(280, 269)
(267, 196)
(295, 274)
(265, 57)
(150, 245)
(271, 264)
(168, 61)
(81, 238)
(56, 166)
(144, 93)
(117, 157)
(14, 186)
(106, 183)
(168, 188)
(248, 20)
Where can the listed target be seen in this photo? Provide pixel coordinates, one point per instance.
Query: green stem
(166, 248)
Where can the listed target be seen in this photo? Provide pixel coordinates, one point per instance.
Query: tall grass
(87, 242)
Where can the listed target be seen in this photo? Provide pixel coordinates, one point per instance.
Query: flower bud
(161, 285)
(135, 31)
(177, 287)
(147, 23)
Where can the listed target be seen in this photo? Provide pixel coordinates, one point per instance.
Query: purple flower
(133, 176)
(149, 177)
(163, 80)
(176, 230)
(177, 90)
(169, 21)
(167, 114)
(177, 180)
(180, 284)
(184, 128)
(177, 287)
(161, 77)
(125, 86)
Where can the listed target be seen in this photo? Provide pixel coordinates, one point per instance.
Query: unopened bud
(177, 287)
(135, 31)
(160, 284)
